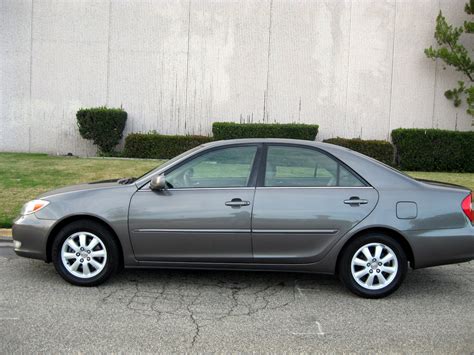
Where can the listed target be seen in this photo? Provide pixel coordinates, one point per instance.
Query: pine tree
(454, 54)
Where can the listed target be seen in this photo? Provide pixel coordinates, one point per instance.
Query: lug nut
(82, 249)
(88, 252)
(378, 270)
(82, 260)
(374, 260)
(380, 264)
(78, 254)
(368, 264)
(88, 259)
(371, 271)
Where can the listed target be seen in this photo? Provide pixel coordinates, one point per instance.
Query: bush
(434, 150)
(230, 130)
(380, 150)
(104, 126)
(157, 146)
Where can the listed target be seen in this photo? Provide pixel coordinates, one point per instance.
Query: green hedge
(380, 150)
(104, 126)
(434, 150)
(230, 130)
(157, 146)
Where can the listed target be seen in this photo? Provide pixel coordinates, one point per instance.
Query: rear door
(304, 202)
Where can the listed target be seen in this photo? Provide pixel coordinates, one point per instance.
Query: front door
(204, 215)
(304, 203)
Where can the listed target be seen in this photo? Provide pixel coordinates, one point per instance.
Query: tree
(454, 54)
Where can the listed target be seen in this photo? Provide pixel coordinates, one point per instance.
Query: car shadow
(439, 281)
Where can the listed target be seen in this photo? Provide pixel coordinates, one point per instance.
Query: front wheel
(85, 253)
(373, 266)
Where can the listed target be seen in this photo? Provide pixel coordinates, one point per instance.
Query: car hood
(105, 184)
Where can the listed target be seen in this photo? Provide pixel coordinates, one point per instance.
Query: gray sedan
(254, 204)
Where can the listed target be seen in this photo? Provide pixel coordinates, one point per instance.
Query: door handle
(237, 202)
(354, 200)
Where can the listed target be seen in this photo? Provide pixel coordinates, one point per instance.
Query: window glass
(228, 167)
(347, 179)
(294, 166)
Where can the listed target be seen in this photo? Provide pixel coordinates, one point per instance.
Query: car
(254, 204)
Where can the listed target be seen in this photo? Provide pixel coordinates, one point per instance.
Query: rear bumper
(32, 233)
(441, 246)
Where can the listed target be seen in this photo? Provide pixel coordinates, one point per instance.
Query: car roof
(332, 148)
(263, 140)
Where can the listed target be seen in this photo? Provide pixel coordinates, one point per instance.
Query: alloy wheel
(84, 255)
(374, 266)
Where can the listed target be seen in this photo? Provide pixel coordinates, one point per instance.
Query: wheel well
(71, 219)
(390, 232)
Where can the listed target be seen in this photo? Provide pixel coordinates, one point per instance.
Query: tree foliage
(103, 125)
(454, 54)
(232, 130)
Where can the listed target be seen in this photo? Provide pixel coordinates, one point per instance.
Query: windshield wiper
(127, 180)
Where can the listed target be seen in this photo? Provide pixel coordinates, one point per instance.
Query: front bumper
(33, 234)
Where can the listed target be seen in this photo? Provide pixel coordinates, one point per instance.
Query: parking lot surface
(197, 311)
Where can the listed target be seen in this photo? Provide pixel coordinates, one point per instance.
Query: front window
(169, 162)
(227, 167)
(302, 167)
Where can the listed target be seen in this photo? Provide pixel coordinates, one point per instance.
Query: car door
(204, 214)
(304, 202)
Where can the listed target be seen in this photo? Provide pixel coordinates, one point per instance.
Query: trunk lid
(443, 184)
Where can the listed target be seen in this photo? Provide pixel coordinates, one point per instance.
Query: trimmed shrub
(157, 146)
(231, 130)
(104, 126)
(434, 150)
(380, 150)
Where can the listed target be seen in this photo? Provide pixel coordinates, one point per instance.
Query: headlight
(33, 206)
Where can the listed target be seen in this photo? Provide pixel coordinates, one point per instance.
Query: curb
(6, 233)
(6, 239)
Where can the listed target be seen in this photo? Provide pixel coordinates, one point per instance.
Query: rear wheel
(85, 253)
(373, 266)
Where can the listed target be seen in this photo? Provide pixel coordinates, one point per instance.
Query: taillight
(467, 207)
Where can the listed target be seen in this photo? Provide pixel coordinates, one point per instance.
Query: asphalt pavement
(210, 311)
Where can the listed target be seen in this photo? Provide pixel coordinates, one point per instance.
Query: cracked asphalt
(221, 311)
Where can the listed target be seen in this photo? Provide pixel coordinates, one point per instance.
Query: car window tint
(347, 179)
(228, 167)
(295, 166)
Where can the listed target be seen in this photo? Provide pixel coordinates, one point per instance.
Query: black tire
(112, 261)
(345, 265)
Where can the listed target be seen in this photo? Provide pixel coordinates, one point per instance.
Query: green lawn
(24, 176)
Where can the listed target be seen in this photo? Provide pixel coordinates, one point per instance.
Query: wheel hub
(374, 266)
(84, 255)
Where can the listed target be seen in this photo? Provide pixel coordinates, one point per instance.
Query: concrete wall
(356, 67)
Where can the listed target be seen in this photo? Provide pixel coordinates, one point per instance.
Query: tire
(93, 265)
(364, 276)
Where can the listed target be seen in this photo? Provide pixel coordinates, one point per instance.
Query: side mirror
(158, 183)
